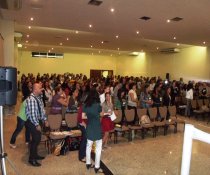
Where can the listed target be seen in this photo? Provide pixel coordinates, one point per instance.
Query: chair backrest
(152, 113)
(141, 112)
(129, 115)
(47, 110)
(200, 103)
(71, 120)
(54, 121)
(194, 104)
(206, 102)
(184, 100)
(118, 114)
(163, 112)
(172, 110)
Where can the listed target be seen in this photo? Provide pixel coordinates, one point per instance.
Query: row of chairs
(154, 125)
(55, 123)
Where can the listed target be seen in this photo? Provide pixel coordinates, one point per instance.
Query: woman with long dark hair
(92, 109)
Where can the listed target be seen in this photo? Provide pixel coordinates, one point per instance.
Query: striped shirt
(33, 113)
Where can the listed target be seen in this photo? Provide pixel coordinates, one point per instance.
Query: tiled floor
(151, 156)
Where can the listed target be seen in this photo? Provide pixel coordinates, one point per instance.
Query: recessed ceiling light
(204, 42)
(174, 37)
(168, 20)
(99, 51)
(27, 36)
(25, 47)
(117, 36)
(91, 46)
(90, 26)
(111, 55)
(27, 41)
(19, 45)
(52, 48)
(119, 53)
(61, 44)
(67, 39)
(49, 50)
(102, 42)
(76, 31)
(137, 32)
(118, 48)
(92, 53)
(29, 27)
(31, 18)
(112, 10)
(177, 44)
(157, 48)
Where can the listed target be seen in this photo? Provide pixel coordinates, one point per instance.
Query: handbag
(57, 149)
(145, 120)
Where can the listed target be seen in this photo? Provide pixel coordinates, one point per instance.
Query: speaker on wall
(8, 86)
(167, 76)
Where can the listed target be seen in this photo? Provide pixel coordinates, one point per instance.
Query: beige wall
(73, 63)
(190, 63)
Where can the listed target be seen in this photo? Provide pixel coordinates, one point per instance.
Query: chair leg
(142, 133)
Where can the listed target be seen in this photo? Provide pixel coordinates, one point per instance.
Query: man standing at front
(35, 115)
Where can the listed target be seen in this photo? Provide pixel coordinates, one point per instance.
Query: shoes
(82, 160)
(88, 166)
(12, 146)
(34, 163)
(98, 170)
(40, 158)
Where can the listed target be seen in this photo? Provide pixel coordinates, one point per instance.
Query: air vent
(94, 2)
(145, 18)
(170, 50)
(176, 19)
(46, 55)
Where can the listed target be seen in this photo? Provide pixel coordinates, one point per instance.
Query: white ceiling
(56, 20)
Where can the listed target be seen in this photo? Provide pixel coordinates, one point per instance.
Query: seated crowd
(95, 100)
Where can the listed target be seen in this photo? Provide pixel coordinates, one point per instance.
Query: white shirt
(189, 94)
(130, 102)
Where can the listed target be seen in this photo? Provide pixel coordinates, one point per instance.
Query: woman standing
(92, 109)
(145, 97)
(189, 97)
(107, 124)
(133, 100)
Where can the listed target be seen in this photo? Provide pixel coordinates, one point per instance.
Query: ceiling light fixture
(19, 45)
(52, 48)
(25, 47)
(27, 41)
(76, 31)
(29, 27)
(61, 44)
(27, 36)
(102, 42)
(112, 10)
(204, 42)
(67, 39)
(168, 20)
(174, 38)
(117, 36)
(118, 48)
(99, 51)
(91, 46)
(31, 18)
(177, 44)
(157, 48)
(90, 26)
(137, 32)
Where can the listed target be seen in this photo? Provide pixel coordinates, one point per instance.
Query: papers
(113, 116)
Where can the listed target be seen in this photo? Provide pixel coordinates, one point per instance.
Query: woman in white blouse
(132, 99)
(189, 97)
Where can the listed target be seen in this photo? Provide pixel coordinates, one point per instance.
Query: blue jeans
(19, 127)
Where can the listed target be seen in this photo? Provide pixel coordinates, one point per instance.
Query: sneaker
(12, 146)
